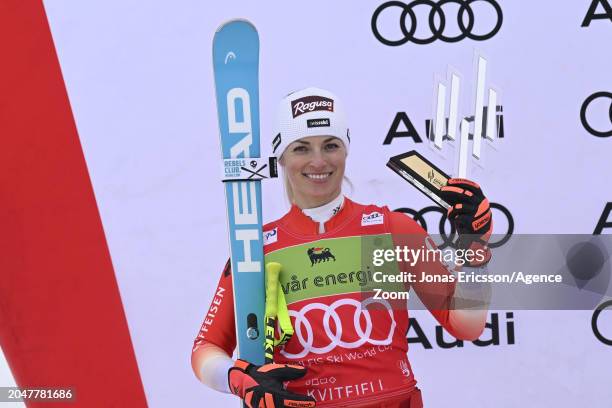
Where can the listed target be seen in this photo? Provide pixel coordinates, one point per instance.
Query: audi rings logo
(583, 111)
(594, 325)
(408, 22)
(496, 240)
(336, 337)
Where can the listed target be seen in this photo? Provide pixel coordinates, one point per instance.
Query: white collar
(324, 213)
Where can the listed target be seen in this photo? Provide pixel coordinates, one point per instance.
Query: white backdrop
(139, 78)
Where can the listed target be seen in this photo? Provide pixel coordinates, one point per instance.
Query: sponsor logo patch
(323, 122)
(311, 104)
(270, 237)
(317, 255)
(374, 218)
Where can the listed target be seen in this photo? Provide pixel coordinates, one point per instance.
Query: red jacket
(353, 345)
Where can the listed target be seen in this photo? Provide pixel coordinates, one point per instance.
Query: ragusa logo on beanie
(311, 104)
(308, 112)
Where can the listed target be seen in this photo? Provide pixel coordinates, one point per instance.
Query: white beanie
(309, 112)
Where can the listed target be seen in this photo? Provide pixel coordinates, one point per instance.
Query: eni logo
(318, 255)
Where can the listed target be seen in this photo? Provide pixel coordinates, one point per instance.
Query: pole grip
(272, 272)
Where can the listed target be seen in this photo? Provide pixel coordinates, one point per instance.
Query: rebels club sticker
(311, 104)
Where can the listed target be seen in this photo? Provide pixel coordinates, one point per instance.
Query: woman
(349, 348)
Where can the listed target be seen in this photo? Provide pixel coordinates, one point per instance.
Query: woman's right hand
(262, 386)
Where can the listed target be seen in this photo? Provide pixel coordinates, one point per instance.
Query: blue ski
(236, 66)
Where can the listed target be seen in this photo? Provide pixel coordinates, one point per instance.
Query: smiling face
(314, 167)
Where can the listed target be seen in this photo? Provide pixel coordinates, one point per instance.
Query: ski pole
(272, 272)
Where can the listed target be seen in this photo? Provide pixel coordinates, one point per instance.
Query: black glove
(471, 214)
(262, 386)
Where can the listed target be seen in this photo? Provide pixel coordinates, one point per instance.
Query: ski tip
(235, 20)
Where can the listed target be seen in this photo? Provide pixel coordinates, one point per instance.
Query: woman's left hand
(469, 211)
